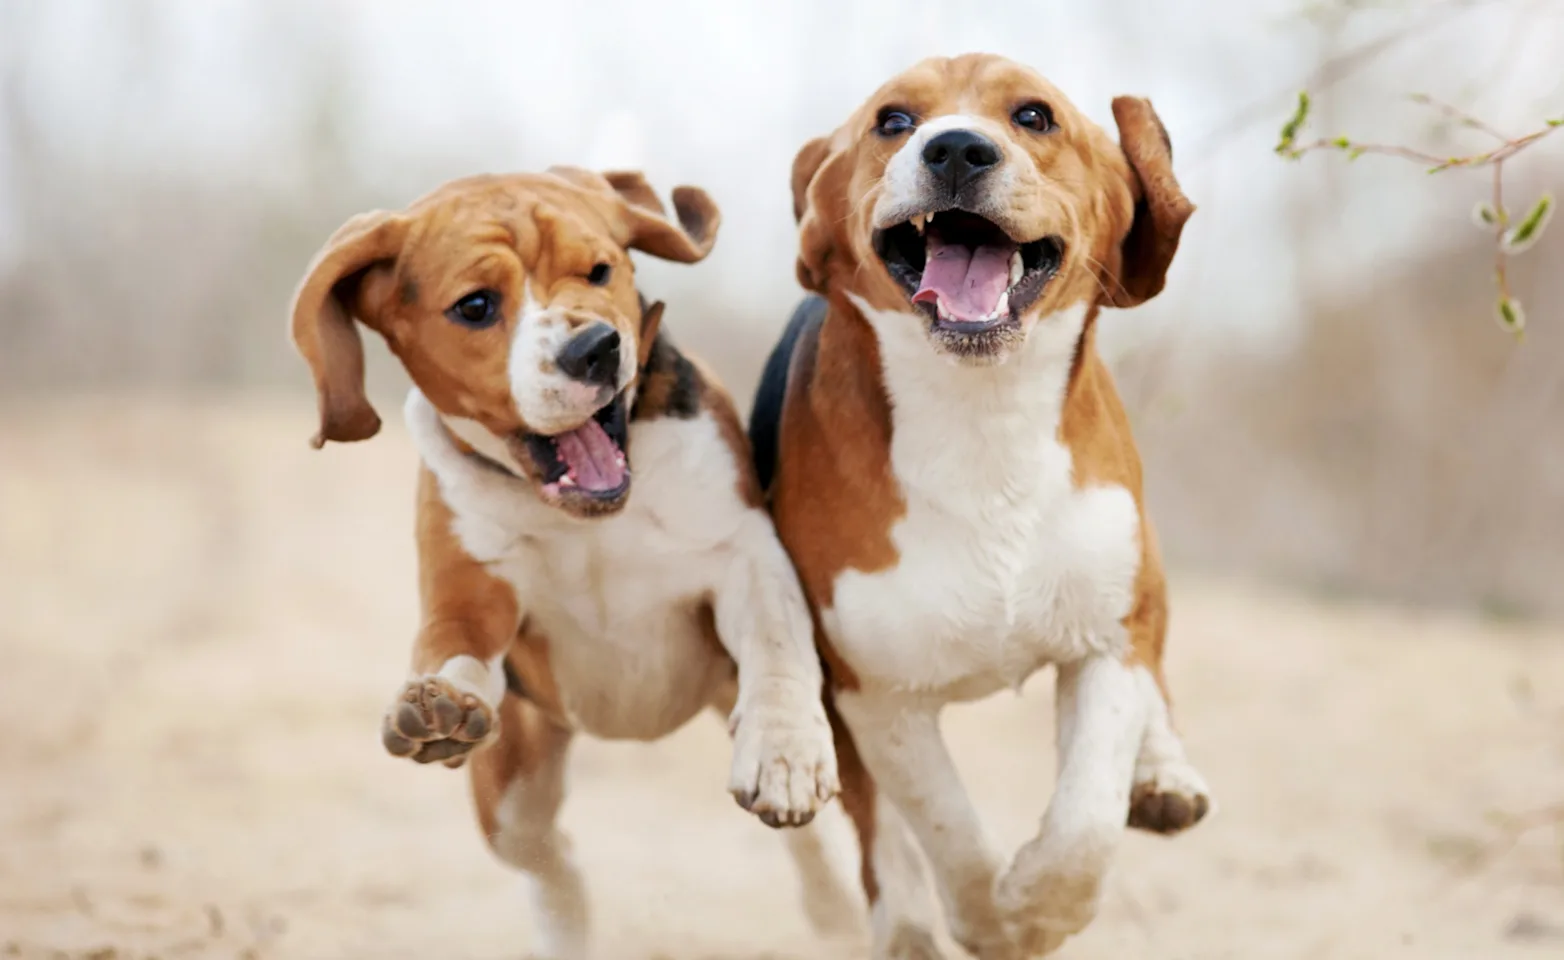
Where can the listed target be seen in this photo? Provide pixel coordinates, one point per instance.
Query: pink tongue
(591, 457)
(967, 283)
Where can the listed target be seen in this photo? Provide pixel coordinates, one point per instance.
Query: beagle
(955, 479)
(594, 553)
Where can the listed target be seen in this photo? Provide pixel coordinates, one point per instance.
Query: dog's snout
(958, 157)
(592, 356)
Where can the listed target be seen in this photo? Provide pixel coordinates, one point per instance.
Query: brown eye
(600, 274)
(476, 310)
(893, 123)
(1034, 116)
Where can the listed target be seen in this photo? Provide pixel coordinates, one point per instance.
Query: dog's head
(971, 194)
(511, 301)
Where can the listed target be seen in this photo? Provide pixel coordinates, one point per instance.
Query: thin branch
(1510, 235)
(1333, 71)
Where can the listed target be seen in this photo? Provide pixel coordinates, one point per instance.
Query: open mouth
(587, 465)
(964, 271)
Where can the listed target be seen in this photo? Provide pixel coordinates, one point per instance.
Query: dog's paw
(433, 719)
(784, 763)
(1168, 799)
(1041, 913)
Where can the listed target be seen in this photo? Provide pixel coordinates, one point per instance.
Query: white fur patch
(549, 401)
(906, 186)
(1005, 565)
(484, 680)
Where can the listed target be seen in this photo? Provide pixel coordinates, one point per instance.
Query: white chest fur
(620, 599)
(1005, 565)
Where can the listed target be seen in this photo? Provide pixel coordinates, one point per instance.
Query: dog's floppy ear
(810, 156)
(1161, 208)
(322, 325)
(814, 237)
(646, 226)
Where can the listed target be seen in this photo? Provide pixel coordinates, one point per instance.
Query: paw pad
(433, 721)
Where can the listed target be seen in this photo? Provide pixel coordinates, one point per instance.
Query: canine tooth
(1002, 308)
(1016, 268)
(567, 481)
(919, 220)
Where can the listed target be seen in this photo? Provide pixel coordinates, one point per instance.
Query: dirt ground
(201, 620)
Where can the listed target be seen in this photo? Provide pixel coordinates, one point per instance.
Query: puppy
(956, 481)
(593, 551)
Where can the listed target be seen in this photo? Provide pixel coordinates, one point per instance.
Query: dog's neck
(958, 426)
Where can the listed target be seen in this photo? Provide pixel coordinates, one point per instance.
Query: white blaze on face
(907, 187)
(548, 400)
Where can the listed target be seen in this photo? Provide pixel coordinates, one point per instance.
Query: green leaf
(1354, 153)
(1341, 143)
(1294, 123)
(1511, 316)
(1531, 226)
(1556, 122)
(1485, 216)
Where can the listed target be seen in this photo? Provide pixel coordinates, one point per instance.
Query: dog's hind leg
(518, 786)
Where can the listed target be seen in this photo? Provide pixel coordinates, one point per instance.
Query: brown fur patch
(858, 798)
(529, 662)
(466, 609)
(834, 496)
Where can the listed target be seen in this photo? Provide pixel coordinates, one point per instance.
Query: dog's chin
(979, 332)
(584, 472)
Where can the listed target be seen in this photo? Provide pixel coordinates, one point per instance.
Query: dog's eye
(893, 123)
(1034, 116)
(600, 274)
(477, 310)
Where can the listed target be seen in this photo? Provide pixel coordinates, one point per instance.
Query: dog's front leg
(1053, 887)
(901, 745)
(784, 763)
(448, 706)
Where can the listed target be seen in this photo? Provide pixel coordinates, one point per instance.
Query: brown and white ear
(814, 237)
(648, 228)
(1161, 208)
(323, 329)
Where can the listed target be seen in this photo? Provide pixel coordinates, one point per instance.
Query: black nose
(592, 356)
(958, 157)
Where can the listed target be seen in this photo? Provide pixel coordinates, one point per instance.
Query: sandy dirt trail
(201, 621)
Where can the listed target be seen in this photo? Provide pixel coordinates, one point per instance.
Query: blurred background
(1345, 456)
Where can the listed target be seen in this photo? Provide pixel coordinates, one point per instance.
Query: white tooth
(567, 481)
(1002, 308)
(919, 220)
(1016, 268)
